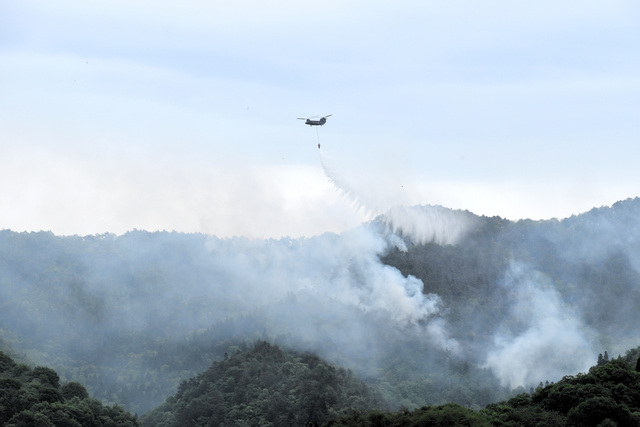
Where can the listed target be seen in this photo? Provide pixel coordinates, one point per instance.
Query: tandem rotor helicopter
(320, 122)
(312, 123)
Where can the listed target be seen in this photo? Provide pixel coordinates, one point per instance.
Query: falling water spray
(422, 224)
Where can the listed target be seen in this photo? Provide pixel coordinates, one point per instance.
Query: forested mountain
(265, 386)
(607, 396)
(34, 397)
(508, 305)
(567, 285)
(592, 260)
(447, 415)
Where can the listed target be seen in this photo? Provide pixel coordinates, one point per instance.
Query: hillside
(607, 396)
(34, 397)
(265, 386)
(508, 305)
(590, 259)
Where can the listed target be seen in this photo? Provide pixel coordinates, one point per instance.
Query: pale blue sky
(117, 115)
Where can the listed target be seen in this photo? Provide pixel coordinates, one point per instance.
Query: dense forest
(607, 396)
(447, 415)
(34, 397)
(509, 305)
(265, 386)
(591, 260)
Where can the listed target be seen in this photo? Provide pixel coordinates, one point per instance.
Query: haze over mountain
(529, 300)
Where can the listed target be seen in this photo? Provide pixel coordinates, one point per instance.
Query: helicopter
(320, 122)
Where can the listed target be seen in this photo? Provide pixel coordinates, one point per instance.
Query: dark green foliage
(6, 362)
(595, 410)
(632, 357)
(46, 376)
(74, 389)
(448, 415)
(608, 395)
(265, 386)
(33, 397)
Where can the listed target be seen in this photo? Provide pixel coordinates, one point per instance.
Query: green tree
(74, 389)
(595, 410)
(33, 397)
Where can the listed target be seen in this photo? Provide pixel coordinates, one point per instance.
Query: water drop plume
(421, 224)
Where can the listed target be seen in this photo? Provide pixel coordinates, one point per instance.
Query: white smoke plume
(345, 268)
(542, 339)
(331, 289)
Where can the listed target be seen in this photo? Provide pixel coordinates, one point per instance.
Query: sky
(166, 115)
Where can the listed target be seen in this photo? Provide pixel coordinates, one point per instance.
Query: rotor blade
(300, 118)
(328, 116)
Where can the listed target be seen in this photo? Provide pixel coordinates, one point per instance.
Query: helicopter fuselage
(320, 122)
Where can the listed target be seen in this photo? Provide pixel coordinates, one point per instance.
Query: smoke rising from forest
(542, 338)
(342, 268)
(327, 288)
(522, 298)
(542, 335)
